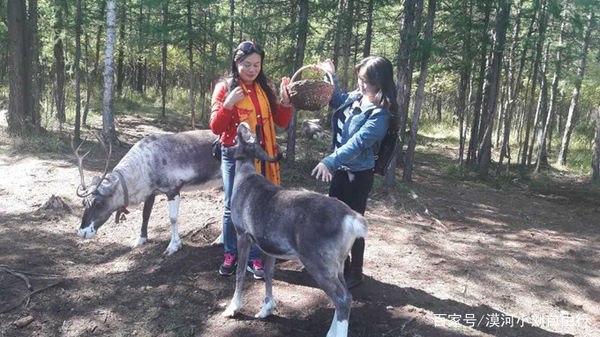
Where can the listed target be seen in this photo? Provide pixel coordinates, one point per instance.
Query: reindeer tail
(356, 224)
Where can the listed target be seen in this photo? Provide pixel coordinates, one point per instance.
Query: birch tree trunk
(108, 113)
(414, 127)
(564, 147)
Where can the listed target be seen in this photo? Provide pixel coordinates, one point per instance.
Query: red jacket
(224, 122)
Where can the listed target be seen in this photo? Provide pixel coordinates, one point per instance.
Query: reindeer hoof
(173, 247)
(230, 311)
(267, 310)
(140, 242)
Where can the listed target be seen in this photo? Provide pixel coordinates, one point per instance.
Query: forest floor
(446, 255)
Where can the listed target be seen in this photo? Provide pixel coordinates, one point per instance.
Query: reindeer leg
(148, 203)
(175, 243)
(331, 282)
(269, 305)
(243, 250)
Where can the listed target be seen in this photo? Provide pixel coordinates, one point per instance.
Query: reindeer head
(98, 202)
(249, 148)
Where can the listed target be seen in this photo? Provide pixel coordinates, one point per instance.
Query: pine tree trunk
(36, 84)
(108, 113)
(191, 66)
(564, 147)
(299, 60)
(414, 127)
(338, 33)
(596, 149)
(349, 19)
(139, 65)
(18, 110)
(541, 158)
(547, 131)
(483, 59)
(501, 25)
(59, 66)
(465, 70)
(403, 85)
(95, 71)
(77, 72)
(163, 68)
(369, 30)
(513, 91)
(534, 76)
(231, 25)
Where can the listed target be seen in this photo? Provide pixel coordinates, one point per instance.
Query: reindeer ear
(244, 134)
(108, 185)
(95, 180)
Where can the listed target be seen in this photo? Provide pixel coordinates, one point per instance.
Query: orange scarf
(247, 113)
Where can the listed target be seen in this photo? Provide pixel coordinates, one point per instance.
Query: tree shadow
(379, 305)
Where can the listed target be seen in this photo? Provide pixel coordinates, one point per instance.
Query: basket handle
(311, 66)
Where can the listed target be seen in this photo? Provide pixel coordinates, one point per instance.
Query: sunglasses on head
(248, 46)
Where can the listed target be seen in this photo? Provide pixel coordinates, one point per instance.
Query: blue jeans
(229, 233)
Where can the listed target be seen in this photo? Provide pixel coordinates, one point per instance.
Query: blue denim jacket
(361, 131)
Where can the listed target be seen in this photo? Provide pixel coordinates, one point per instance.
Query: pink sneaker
(229, 265)
(256, 268)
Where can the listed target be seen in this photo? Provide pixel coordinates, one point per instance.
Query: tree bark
(542, 157)
(121, 52)
(191, 66)
(536, 66)
(414, 128)
(465, 70)
(299, 60)
(501, 24)
(231, 25)
(369, 30)
(349, 19)
(338, 33)
(95, 71)
(564, 147)
(59, 65)
(163, 68)
(403, 85)
(77, 73)
(483, 59)
(18, 108)
(108, 113)
(596, 149)
(36, 82)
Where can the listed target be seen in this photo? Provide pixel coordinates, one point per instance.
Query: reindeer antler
(80, 166)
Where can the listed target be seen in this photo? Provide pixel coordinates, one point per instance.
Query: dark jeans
(229, 233)
(353, 188)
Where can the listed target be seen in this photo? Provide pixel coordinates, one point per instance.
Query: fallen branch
(26, 297)
(19, 275)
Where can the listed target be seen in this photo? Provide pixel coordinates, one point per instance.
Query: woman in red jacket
(246, 97)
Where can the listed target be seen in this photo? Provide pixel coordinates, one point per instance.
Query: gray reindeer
(155, 164)
(316, 229)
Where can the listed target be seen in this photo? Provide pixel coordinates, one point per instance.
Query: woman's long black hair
(379, 71)
(243, 50)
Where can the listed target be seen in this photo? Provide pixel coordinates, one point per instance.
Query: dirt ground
(444, 257)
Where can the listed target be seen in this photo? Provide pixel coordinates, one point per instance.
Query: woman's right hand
(327, 65)
(234, 97)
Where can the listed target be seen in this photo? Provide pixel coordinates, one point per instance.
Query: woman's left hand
(285, 98)
(321, 172)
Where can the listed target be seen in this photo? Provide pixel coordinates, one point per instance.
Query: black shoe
(353, 280)
(229, 265)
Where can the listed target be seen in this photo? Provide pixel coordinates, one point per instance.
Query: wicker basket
(310, 94)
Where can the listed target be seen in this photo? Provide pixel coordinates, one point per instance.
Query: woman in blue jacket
(360, 122)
